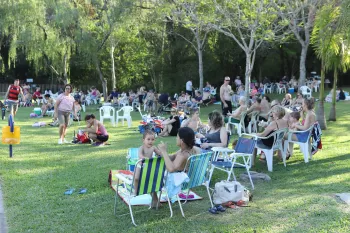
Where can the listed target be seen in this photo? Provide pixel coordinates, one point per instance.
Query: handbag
(226, 191)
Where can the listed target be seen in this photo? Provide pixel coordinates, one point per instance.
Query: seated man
(48, 104)
(113, 97)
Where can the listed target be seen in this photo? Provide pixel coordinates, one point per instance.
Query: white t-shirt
(189, 86)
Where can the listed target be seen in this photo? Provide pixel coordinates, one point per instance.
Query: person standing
(63, 107)
(11, 97)
(225, 96)
(189, 87)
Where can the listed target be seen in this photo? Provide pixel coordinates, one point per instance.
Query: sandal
(69, 191)
(220, 208)
(213, 210)
(82, 191)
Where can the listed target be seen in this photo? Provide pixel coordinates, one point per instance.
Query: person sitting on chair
(96, 130)
(47, 104)
(171, 125)
(236, 115)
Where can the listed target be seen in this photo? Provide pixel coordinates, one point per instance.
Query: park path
(3, 226)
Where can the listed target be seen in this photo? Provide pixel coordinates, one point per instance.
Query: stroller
(164, 107)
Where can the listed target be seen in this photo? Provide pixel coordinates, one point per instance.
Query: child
(293, 118)
(146, 152)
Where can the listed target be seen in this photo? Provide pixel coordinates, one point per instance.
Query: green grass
(299, 198)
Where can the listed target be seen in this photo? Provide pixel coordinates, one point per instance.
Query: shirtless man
(225, 96)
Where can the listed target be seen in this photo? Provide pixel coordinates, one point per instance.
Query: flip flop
(82, 191)
(69, 191)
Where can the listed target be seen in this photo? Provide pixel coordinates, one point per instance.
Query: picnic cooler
(9, 137)
(37, 111)
(291, 90)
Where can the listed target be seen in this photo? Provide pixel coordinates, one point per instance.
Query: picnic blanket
(124, 193)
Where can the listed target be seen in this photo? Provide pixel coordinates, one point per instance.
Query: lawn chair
(240, 127)
(305, 147)
(107, 112)
(268, 88)
(306, 91)
(253, 124)
(281, 88)
(277, 145)
(151, 180)
(131, 158)
(126, 115)
(244, 149)
(197, 170)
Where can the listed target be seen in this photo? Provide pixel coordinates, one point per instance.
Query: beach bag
(226, 191)
(83, 138)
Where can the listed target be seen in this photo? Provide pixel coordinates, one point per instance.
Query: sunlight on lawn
(299, 197)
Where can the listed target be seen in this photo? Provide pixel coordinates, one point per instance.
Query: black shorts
(174, 131)
(102, 138)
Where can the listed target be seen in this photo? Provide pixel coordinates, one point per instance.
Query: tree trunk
(332, 113)
(321, 118)
(103, 80)
(248, 72)
(302, 77)
(114, 80)
(200, 63)
(65, 76)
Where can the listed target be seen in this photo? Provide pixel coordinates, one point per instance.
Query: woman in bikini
(277, 123)
(308, 121)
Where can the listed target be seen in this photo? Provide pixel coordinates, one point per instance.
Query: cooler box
(291, 90)
(37, 111)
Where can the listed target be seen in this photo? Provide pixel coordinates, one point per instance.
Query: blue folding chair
(244, 149)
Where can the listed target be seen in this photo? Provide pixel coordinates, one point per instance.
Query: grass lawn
(299, 198)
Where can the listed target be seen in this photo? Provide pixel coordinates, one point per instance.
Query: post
(11, 124)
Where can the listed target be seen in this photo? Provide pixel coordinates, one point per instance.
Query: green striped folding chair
(151, 180)
(197, 167)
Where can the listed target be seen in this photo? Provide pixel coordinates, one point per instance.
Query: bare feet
(154, 203)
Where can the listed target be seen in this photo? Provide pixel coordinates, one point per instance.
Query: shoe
(60, 141)
(69, 191)
(65, 141)
(220, 208)
(82, 191)
(213, 210)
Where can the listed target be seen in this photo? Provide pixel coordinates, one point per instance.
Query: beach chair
(151, 180)
(132, 158)
(243, 150)
(197, 167)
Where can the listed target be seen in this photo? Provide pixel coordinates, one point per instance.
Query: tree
(249, 24)
(300, 15)
(189, 14)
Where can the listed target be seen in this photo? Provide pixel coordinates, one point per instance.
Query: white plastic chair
(107, 112)
(305, 147)
(267, 88)
(126, 115)
(281, 88)
(253, 124)
(306, 91)
(240, 127)
(277, 145)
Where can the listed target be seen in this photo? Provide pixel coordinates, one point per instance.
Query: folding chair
(197, 170)
(151, 180)
(244, 149)
(132, 158)
(305, 147)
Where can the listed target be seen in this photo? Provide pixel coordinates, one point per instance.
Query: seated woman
(297, 102)
(48, 104)
(277, 123)
(77, 109)
(181, 102)
(171, 125)
(193, 122)
(217, 134)
(287, 100)
(176, 163)
(265, 107)
(307, 122)
(236, 115)
(96, 130)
